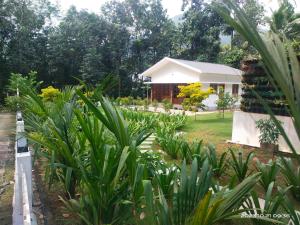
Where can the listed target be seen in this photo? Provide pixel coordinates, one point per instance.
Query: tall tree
(23, 36)
(150, 30)
(200, 31)
(286, 21)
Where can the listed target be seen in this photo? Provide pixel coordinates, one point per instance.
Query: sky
(173, 6)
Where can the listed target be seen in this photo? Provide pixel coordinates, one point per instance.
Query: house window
(235, 89)
(215, 87)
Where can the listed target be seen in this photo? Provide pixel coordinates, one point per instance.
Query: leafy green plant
(225, 101)
(49, 93)
(273, 205)
(193, 96)
(125, 101)
(166, 178)
(291, 211)
(14, 103)
(240, 165)
(218, 166)
(171, 144)
(167, 105)
(54, 127)
(198, 152)
(269, 172)
(216, 208)
(19, 82)
(187, 193)
(155, 104)
(291, 174)
(186, 152)
(269, 133)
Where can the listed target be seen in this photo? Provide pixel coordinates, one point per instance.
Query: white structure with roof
(168, 73)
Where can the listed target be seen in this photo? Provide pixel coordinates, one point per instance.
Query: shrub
(171, 144)
(155, 104)
(198, 153)
(186, 152)
(14, 103)
(219, 166)
(268, 172)
(269, 133)
(125, 101)
(167, 105)
(291, 174)
(225, 101)
(138, 101)
(49, 93)
(271, 207)
(166, 178)
(239, 165)
(145, 103)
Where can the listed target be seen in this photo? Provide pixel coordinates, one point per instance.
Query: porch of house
(166, 91)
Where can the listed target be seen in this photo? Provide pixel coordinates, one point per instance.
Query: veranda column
(151, 93)
(171, 92)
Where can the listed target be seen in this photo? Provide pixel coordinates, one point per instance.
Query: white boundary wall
(244, 130)
(22, 200)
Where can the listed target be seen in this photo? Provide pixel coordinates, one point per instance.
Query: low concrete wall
(22, 200)
(244, 130)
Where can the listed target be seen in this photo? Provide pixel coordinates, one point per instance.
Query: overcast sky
(173, 6)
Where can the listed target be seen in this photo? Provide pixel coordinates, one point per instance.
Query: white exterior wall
(244, 130)
(210, 102)
(173, 73)
(220, 78)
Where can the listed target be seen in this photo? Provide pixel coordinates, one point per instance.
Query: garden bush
(292, 176)
(14, 103)
(49, 93)
(94, 152)
(269, 172)
(240, 165)
(218, 164)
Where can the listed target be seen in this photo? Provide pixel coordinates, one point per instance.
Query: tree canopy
(120, 42)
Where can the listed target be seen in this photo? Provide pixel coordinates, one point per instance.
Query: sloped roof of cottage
(200, 67)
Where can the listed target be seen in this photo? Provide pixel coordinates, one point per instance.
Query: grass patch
(212, 128)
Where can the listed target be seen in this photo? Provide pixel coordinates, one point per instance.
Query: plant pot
(269, 147)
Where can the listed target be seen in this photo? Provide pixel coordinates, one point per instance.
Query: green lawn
(212, 128)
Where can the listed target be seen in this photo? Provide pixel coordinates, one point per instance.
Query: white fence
(22, 201)
(244, 130)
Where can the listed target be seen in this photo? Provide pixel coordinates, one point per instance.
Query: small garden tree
(16, 86)
(225, 101)
(49, 93)
(194, 96)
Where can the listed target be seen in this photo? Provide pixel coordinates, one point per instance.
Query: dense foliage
(269, 133)
(123, 40)
(93, 151)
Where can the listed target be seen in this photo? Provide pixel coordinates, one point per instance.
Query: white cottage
(168, 73)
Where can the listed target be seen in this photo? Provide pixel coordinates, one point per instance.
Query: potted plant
(269, 134)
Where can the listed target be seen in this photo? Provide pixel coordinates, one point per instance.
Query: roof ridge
(201, 62)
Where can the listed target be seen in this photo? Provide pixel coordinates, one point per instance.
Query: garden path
(147, 144)
(7, 129)
(179, 111)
